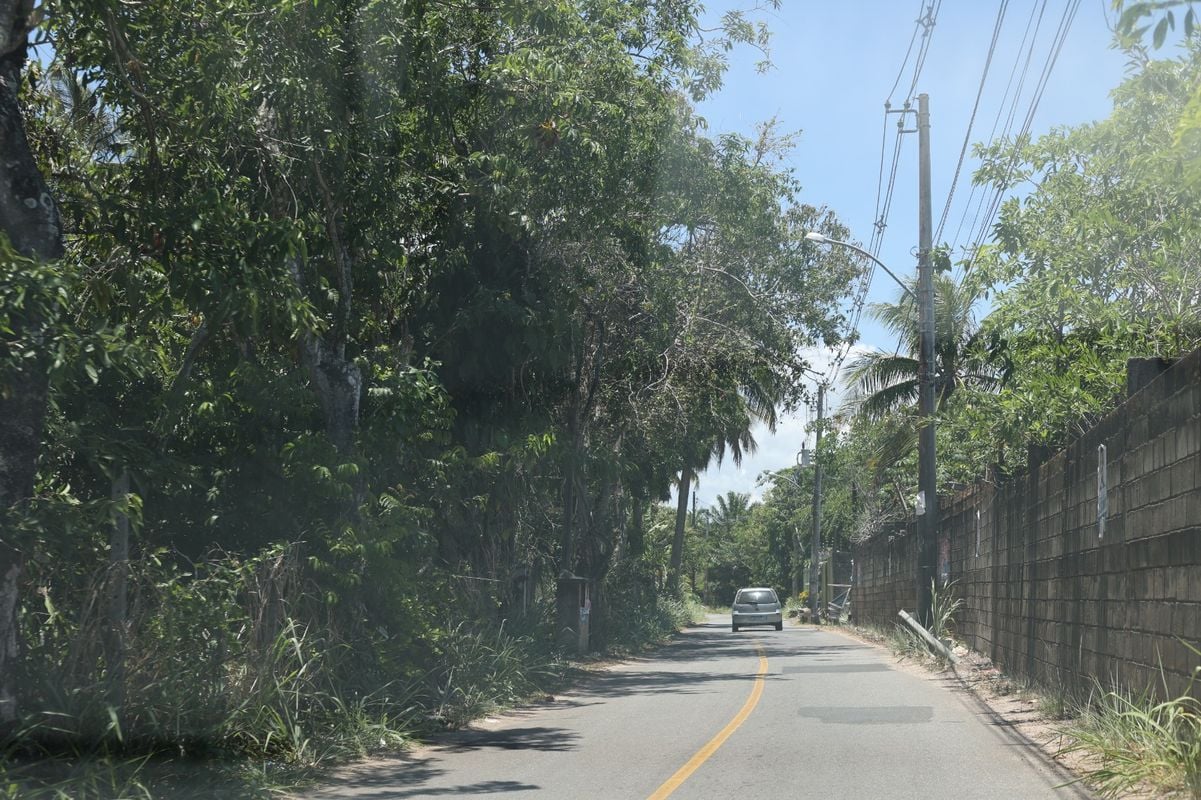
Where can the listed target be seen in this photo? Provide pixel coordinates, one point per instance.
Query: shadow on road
(405, 777)
(625, 683)
(392, 777)
(534, 738)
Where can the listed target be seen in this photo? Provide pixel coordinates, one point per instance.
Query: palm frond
(872, 372)
(894, 444)
(888, 399)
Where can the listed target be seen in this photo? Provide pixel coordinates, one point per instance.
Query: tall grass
(217, 662)
(480, 671)
(240, 666)
(638, 614)
(1138, 742)
(944, 606)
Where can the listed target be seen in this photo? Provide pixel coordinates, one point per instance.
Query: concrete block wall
(1048, 593)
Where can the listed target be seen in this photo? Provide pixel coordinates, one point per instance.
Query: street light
(927, 523)
(818, 238)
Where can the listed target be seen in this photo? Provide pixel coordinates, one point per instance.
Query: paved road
(720, 715)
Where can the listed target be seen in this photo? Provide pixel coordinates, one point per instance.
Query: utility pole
(796, 560)
(816, 546)
(927, 521)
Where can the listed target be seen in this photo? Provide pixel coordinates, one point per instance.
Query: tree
(33, 240)
(885, 385)
(1098, 262)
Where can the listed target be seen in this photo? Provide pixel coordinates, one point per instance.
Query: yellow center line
(702, 755)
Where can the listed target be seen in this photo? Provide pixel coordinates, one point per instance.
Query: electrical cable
(928, 23)
(992, 136)
(925, 23)
(1057, 42)
(917, 26)
(981, 225)
(992, 47)
(880, 175)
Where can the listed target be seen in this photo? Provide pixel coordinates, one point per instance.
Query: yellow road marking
(702, 755)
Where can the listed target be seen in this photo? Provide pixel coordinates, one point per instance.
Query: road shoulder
(1016, 715)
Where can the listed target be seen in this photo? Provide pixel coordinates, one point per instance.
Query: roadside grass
(1136, 742)
(281, 730)
(905, 643)
(91, 777)
(253, 711)
(487, 671)
(944, 605)
(797, 607)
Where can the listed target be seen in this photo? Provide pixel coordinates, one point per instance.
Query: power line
(1057, 42)
(1031, 35)
(881, 222)
(921, 24)
(1032, 24)
(928, 22)
(917, 26)
(992, 47)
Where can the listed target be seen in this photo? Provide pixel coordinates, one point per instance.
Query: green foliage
(1130, 29)
(907, 643)
(944, 605)
(885, 386)
(389, 312)
(1098, 263)
(215, 661)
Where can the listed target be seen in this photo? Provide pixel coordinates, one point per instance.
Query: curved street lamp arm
(814, 236)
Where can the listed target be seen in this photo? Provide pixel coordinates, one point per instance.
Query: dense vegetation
(352, 326)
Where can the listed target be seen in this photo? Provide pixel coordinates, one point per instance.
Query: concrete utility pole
(816, 546)
(927, 522)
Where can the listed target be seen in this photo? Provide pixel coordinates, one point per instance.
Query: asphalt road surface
(796, 713)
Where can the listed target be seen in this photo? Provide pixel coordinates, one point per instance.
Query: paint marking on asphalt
(702, 755)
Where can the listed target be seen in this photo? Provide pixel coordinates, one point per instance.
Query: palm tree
(732, 508)
(884, 386)
(756, 402)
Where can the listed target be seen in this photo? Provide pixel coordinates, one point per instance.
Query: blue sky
(834, 63)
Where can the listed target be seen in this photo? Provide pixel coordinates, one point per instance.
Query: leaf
(1161, 31)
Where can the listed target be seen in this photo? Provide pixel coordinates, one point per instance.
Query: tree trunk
(677, 542)
(635, 537)
(339, 385)
(567, 532)
(116, 597)
(29, 218)
(337, 381)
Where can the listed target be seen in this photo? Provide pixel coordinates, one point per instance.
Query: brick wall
(1047, 594)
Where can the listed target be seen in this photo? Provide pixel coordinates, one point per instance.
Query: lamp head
(814, 236)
